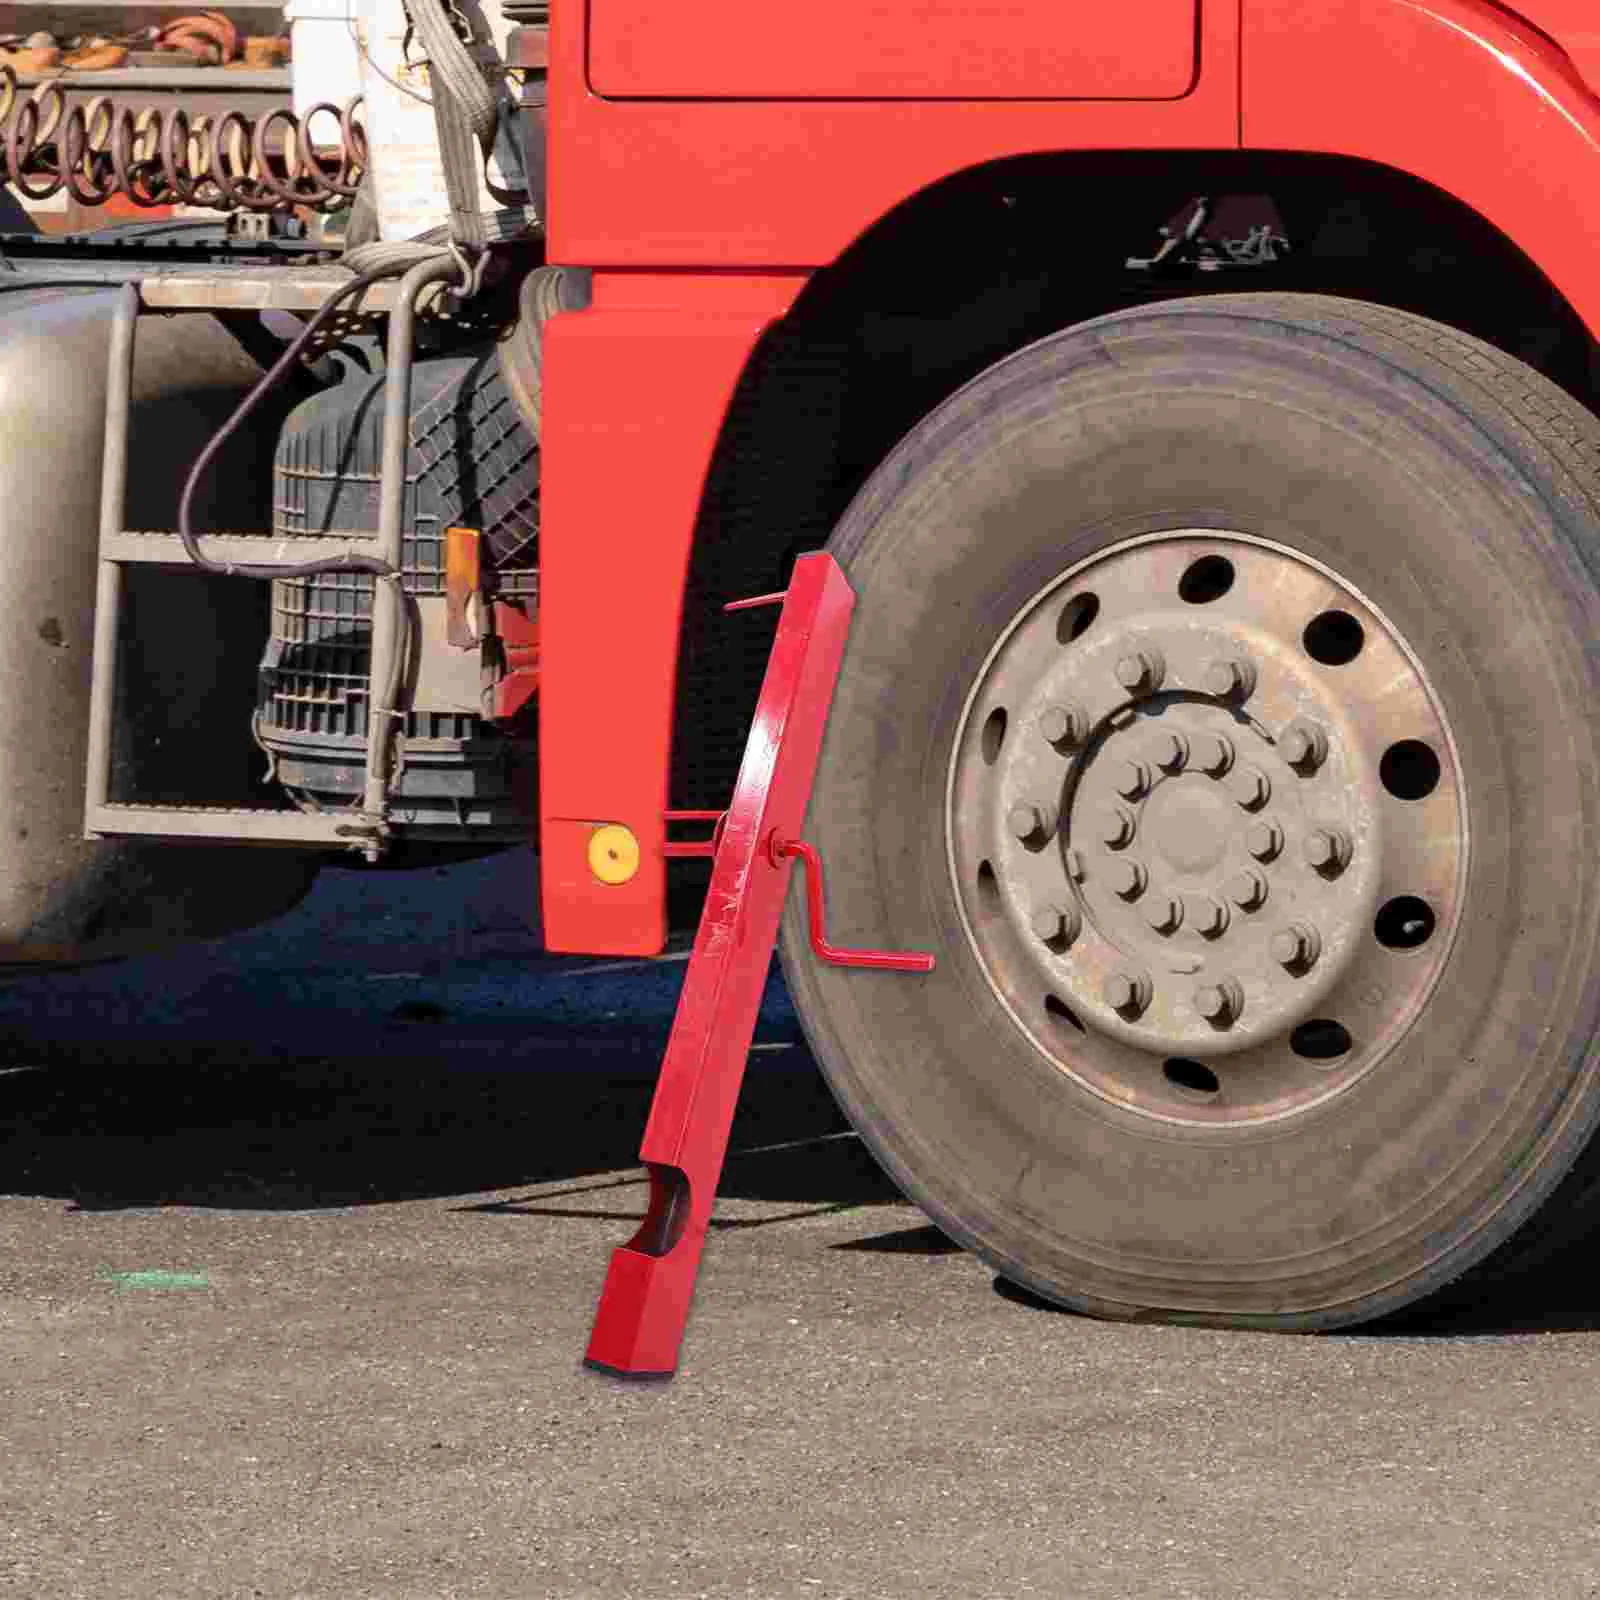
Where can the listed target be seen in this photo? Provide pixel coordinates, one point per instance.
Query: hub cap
(1206, 828)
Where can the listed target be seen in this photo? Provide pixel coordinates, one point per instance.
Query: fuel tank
(190, 641)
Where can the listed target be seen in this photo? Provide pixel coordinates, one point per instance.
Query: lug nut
(1230, 678)
(1247, 888)
(1127, 877)
(1115, 825)
(1028, 821)
(1057, 924)
(1211, 753)
(1296, 946)
(1249, 787)
(1127, 991)
(1132, 779)
(1264, 840)
(1163, 913)
(1327, 849)
(1304, 745)
(1168, 750)
(1064, 724)
(1206, 916)
(1141, 671)
(1220, 1002)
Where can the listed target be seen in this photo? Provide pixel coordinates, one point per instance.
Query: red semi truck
(1199, 396)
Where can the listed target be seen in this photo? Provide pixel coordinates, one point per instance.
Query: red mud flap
(638, 1327)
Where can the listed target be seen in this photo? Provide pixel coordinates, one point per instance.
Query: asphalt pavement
(301, 1238)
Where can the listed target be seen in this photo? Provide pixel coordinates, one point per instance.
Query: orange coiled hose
(161, 156)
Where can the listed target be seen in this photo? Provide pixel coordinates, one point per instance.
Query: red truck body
(707, 158)
(1199, 399)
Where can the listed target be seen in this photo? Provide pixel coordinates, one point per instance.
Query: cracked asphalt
(302, 1232)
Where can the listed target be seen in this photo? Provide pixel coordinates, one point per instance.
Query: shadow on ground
(312, 1134)
(405, 1036)
(398, 1037)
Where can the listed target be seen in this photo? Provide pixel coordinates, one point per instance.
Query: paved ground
(388, 1152)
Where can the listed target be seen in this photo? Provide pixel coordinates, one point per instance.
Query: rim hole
(1206, 580)
(1334, 638)
(1404, 922)
(988, 889)
(1321, 1039)
(1409, 770)
(1059, 1011)
(993, 735)
(1192, 1076)
(1076, 615)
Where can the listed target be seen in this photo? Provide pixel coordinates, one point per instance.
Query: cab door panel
(893, 49)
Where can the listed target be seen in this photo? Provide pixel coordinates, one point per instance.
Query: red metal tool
(639, 1324)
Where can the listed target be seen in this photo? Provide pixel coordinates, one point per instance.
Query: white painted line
(623, 966)
(791, 1144)
(628, 1177)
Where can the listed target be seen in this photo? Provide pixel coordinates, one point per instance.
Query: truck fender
(1459, 93)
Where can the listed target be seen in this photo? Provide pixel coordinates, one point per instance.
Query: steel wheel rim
(1206, 828)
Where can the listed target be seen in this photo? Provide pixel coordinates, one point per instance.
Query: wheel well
(995, 258)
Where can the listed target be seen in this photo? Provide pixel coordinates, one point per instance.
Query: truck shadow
(418, 1112)
(474, 1114)
(400, 1036)
(404, 1037)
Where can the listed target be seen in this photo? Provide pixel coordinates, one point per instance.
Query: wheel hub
(1172, 819)
(1188, 827)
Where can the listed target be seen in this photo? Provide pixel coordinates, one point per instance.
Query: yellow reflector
(613, 853)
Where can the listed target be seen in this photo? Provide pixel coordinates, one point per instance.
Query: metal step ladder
(121, 547)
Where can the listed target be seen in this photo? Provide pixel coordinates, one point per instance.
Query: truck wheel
(1218, 706)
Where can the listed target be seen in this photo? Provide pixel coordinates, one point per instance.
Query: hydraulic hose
(269, 380)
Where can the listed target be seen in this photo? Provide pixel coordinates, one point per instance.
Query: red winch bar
(639, 1324)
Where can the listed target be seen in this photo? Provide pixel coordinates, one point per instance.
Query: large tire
(1365, 527)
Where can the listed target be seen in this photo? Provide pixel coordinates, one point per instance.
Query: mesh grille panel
(470, 462)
